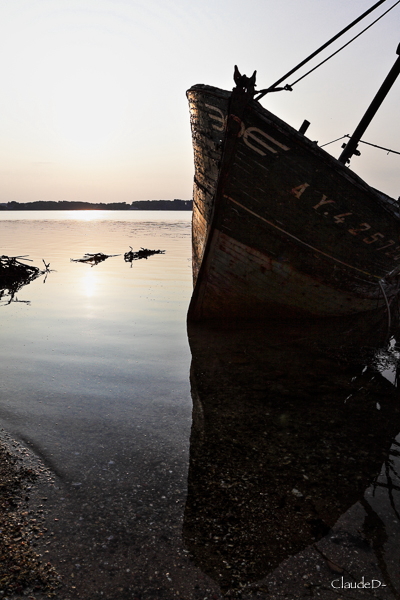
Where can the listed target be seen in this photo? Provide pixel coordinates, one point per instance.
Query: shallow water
(284, 478)
(95, 369)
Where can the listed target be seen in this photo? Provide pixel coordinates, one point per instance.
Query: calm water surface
(283, 479)
(109, 340)
(95, 378)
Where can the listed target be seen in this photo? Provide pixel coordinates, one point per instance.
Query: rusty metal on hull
(279, 225)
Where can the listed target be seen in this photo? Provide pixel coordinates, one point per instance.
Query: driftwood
(93, 259)
(142, 253)
(14, 274)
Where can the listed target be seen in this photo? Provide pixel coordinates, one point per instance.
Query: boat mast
(351, 146)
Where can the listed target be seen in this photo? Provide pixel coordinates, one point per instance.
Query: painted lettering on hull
(217, 117)
(340, 219)
(323, 201)
(255, 138)
(299, 190)
(262, 143)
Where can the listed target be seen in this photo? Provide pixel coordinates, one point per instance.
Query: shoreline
(164, 205)
(23, 565)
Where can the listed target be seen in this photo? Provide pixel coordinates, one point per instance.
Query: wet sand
(23, 569)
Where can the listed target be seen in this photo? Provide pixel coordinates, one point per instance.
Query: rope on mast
(388, 150)
(346, 135)
(380, 147)
(273, 87)
(342, 47)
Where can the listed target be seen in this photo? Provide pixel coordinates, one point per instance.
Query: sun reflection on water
(90, 283)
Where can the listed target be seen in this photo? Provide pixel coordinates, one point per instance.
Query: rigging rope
(388, 150)
(344, 46)
(337, 140)
(380, 147)
(273, 88)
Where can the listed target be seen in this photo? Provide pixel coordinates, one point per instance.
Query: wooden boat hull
(279, 225)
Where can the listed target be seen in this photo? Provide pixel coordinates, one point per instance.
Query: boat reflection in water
(292, 477)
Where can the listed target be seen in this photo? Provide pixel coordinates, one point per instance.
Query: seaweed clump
(142, 253)
(93, 259)
(14, 274)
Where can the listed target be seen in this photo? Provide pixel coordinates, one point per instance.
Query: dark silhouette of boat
(280, 227)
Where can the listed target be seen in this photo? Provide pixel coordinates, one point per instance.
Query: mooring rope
(274, 88)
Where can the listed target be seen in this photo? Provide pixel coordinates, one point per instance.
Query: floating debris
(47, 270)
(142, 253)
(93, 259)
(14, 274)
(13, 271)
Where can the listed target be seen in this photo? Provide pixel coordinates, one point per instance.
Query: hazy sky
(93, 105)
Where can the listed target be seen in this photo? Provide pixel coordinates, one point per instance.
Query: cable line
(380, 147)
(344, 46)
(388, 150)
(337, 140)
(273, 87)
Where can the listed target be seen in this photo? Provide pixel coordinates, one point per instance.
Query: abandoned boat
(280, 227)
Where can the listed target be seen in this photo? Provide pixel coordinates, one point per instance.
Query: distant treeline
(64, 205)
